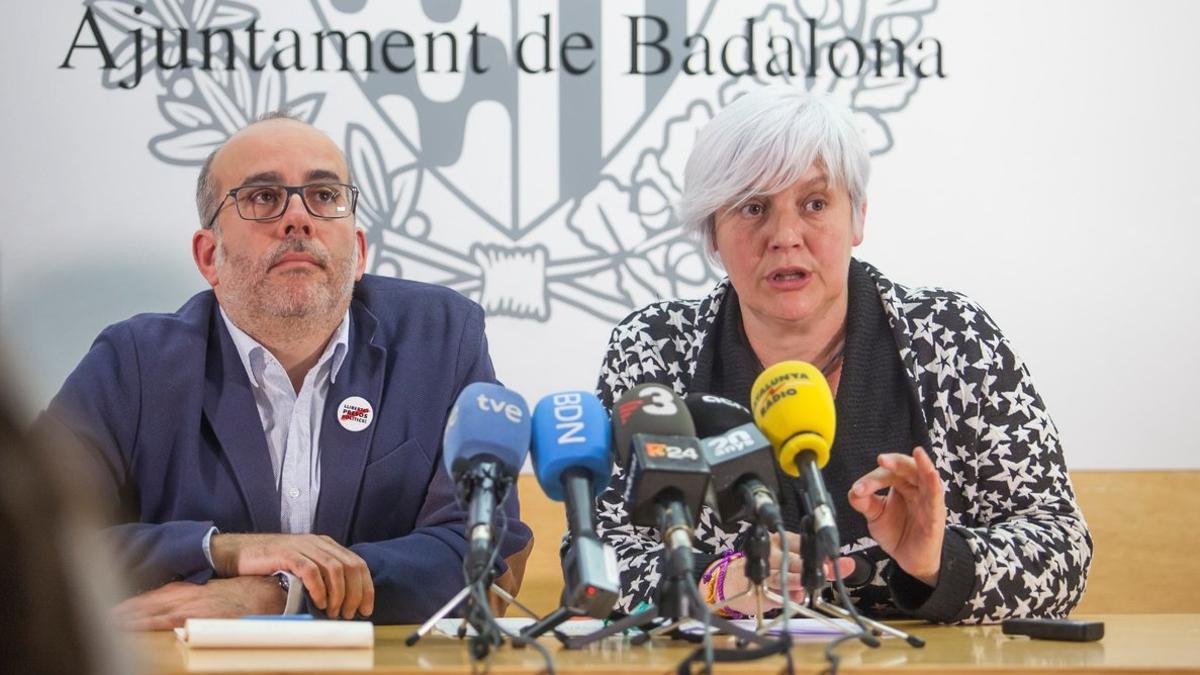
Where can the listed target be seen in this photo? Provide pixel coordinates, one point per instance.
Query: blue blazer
(163, 405)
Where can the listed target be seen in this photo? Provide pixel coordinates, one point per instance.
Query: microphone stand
(765, 518)
(551, 621)
(566, 610)
(477, 566)
(757, 549)
(677, 599)
(587, 590)
(813, 579)
(453, 604)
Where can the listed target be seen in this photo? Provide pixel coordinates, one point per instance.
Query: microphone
(484, 447)
(649, 408)
(573, 463)
(742, 461)
(793, 406)
(667, 477)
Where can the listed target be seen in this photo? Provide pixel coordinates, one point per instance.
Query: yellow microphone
(793, 406)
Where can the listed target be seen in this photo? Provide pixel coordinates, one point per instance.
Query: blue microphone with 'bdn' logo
(572, 459)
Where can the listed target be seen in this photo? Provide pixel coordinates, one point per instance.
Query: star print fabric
(1008, 496)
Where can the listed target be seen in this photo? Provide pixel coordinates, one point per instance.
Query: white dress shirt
(292, 420)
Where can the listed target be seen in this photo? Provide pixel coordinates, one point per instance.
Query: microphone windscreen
(793, 406)
(571, 431)
(648, 408)
(714, 415)
(734, 449)
(487, 421)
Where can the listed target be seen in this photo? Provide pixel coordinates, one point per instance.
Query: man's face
(295, 265)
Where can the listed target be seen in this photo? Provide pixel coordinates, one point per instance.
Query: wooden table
(1133, 643)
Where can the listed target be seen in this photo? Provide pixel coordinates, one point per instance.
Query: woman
(946, 471)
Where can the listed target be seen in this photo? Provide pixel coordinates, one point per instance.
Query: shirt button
(293, 493)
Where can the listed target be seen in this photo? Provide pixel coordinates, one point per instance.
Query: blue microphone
(571, 435)
(573, 463)
(484, 447)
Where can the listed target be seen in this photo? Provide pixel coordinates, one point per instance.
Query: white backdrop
(1049, 175)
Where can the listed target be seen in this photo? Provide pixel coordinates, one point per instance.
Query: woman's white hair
(763, 142)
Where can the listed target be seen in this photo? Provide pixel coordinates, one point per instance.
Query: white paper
(578, 627)
(514, 624)
(202, 633)
(807, 626)
(802, 630)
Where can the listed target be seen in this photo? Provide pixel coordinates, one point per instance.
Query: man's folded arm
(154, 554)
(416, 574)
(98, 410)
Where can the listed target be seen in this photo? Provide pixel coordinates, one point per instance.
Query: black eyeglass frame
(289, 190)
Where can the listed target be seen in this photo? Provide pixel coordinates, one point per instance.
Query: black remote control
(1055, 629)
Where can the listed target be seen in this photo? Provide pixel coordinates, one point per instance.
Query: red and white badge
(355, 414)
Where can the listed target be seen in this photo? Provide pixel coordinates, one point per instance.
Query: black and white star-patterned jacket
(1011, 508)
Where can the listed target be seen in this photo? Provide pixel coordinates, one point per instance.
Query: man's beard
(250, 290)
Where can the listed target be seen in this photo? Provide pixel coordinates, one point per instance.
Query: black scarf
(876, 410)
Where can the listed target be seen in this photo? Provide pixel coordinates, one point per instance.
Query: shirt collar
(254, 356)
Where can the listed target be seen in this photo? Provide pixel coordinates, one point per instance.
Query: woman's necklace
(830, 358)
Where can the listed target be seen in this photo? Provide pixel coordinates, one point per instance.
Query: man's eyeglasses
(268, 202)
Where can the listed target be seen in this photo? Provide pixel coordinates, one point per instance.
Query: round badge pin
(354, 413)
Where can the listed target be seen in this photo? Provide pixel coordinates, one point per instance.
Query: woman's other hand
(909, 520)
(737, 583)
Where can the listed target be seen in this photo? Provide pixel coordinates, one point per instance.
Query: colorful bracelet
(714, 580)
(710, 588)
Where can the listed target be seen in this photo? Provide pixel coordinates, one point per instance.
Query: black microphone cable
(706, 622)
(865, 635)
(478, 611)
(710, 656)
(783, 646)
(479, 591)
(705, 651)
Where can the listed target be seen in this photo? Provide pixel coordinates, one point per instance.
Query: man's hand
(736, 581)
(168, 606)
(336, 578)
(909, 522)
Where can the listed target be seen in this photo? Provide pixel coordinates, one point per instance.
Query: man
(290, 419)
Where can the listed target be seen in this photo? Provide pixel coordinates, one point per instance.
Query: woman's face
(788, 254)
